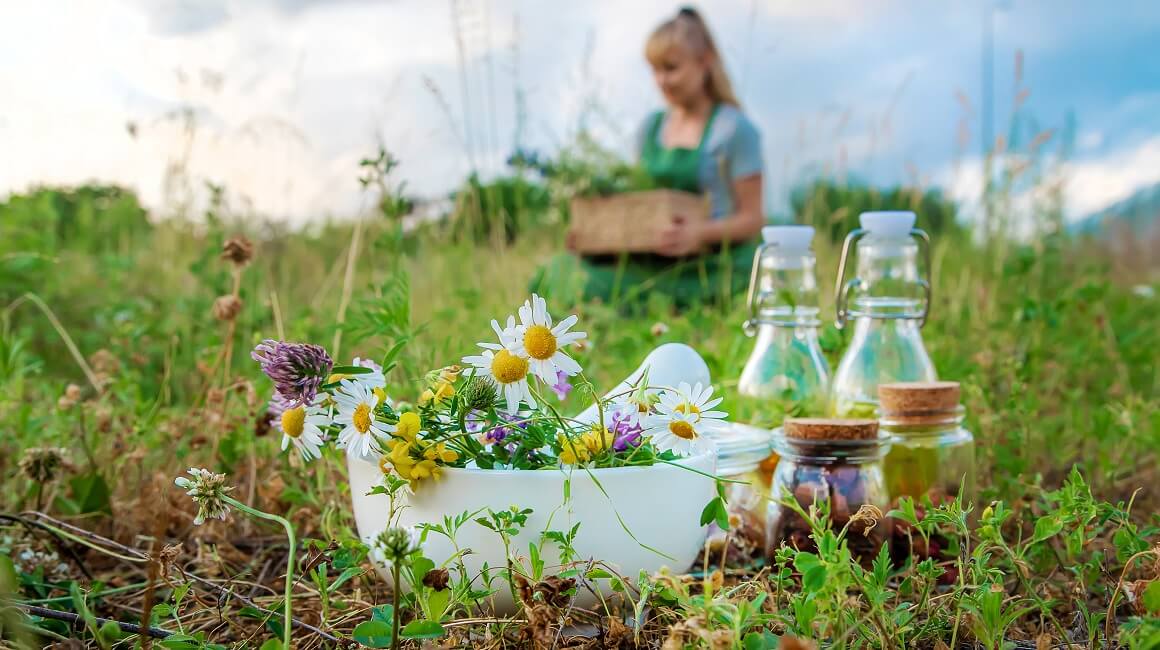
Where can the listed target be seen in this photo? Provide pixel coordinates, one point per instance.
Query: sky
(278, 100)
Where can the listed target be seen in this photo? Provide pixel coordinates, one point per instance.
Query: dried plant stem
(61, 331)
(347, 286)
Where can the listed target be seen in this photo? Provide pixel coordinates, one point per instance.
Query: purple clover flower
(298, 369)
(561, 388)
(277, 406)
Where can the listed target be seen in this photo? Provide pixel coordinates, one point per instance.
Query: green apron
(629, 279)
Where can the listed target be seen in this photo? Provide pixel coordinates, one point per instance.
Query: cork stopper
(919, 397)
(830, 429)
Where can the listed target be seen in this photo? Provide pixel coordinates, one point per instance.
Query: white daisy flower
(508, 371)
(302, 425)
(375, 378)
(356, 404)
(535, 339)
(684, 419)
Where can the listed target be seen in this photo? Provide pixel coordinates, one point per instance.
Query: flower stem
(286, 618)
(396, 608)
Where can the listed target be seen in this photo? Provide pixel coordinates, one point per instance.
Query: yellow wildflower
(408, 427)
(598, 439)
(572, 452)
(440, 452)
(425, 469)
(441, 392)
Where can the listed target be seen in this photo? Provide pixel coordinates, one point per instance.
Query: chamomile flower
(684, 419)
(302, 426)
(356, 404)
(535, 339)
(508, 370)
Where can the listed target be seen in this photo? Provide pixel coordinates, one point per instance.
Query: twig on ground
(77, 621)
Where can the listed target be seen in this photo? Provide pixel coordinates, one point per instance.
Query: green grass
(1056, 353)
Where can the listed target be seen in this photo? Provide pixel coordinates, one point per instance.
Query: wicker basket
(629, 222)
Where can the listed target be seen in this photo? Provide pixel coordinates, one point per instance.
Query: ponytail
(688, 29)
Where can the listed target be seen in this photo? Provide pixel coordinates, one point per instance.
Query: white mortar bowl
(660, 505)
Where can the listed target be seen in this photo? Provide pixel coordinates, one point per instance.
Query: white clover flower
(208, 490)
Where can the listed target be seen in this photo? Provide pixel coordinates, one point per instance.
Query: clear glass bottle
(933, 455)
(820, 468)
(786, 374)
(889, 300)
(741, 449)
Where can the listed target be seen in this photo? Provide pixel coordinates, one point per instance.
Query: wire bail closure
(842, 288)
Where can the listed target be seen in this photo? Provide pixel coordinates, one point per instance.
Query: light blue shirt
(732, 151)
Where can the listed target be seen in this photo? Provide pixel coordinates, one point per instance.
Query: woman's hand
(681, 237)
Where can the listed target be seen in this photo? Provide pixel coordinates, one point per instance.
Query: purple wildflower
(561, 388)
(298, 369)
(626, 429)
(277, 406)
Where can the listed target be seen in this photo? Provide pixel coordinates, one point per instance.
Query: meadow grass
(1056, 353)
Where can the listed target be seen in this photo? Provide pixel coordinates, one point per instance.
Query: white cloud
(289, 94)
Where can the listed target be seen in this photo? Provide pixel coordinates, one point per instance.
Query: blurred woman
(700, 142)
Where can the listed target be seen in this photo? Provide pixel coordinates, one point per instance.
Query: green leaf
(437, 601)
(716, 512)
(384, 613)
(350, 370)
(90, 493)
(1046, 528)
(422, 630)
(420, 566)
(597, 573)
(1151, 597)
(271, 644)
(814, 578)
(373, 633)
(110, 632)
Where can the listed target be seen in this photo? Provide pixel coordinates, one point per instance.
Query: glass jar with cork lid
(835, 465)
(932, 455)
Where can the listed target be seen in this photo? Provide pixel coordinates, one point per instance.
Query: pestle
(668, 365)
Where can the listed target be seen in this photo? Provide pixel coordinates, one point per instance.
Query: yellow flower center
(682, 429)
(362, 417)
(507, 368)
(540, 342)
(689, 409)
(293, 421)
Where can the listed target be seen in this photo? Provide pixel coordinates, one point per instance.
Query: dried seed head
(72, 395)
(40, 464)
(238, 251)
(868, 515)
(437, 579)
(104, 362)
(226, 308)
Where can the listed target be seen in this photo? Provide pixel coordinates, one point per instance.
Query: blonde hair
(687, 29)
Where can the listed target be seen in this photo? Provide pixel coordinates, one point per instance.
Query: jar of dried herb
(835, 465)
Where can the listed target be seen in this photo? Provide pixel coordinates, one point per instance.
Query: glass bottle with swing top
(888, 299)
(786, 374)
